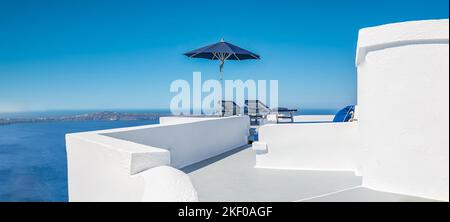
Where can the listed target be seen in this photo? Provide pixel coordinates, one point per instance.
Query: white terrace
(397, 150)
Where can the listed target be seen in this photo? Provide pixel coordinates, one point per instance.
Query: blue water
(33, 159)
(310, 111)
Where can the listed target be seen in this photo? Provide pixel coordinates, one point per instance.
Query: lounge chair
(257, 110)
(345, 115)
(229, 108)
(284, 113)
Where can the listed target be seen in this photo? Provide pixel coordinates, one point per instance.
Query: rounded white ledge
(400, 34)
(167, 184)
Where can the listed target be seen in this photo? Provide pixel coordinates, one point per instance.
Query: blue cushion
(344, 115)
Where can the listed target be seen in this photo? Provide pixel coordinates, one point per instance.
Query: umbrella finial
(221, 40)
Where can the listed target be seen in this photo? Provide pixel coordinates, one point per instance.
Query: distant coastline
(96, 116)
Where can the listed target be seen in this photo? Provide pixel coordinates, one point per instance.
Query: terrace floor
(231, 176)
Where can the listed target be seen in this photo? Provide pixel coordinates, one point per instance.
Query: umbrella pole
(221, 78)
(221, 67)
(222, 61)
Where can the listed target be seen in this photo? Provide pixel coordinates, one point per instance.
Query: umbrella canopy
(222, 51)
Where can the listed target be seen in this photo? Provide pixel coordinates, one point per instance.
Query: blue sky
(59, 55)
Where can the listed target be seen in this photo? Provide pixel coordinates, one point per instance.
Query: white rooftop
(232, 177)
(387, 154)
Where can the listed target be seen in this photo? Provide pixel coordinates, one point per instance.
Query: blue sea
(33, 163)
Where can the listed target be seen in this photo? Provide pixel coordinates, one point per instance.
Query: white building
(397, 149)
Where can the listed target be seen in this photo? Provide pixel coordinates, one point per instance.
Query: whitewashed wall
(191, 142)
(313, 118)
(403, 94)
(126, 164)
(400, 142)
(101, 168)
(183, 119)
(311, 146)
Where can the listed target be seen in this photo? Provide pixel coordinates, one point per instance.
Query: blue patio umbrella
(222, 51)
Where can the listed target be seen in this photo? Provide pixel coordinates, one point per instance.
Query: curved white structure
(400, 34)
(403, 99)
(167, 184)
(400, 142)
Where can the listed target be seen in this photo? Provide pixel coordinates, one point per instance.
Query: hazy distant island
(99, 116)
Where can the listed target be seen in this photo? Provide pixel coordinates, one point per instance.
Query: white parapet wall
(400, 142)
(123, 164)
(313, 118)
(190, 142)
(403, 99)
(102, 168)
(184, 119)
(307, 146)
